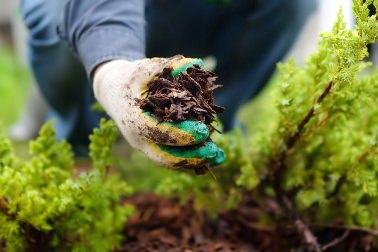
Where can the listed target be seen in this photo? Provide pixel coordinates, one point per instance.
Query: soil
(162, 224)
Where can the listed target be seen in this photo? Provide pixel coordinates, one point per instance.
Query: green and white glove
(116, 85)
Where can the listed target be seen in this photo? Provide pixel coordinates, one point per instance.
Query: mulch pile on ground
(162, 224)
(187, 97)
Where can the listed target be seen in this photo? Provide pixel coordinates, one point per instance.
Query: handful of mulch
(187, 97)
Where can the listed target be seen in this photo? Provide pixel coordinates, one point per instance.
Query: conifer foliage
(309, 170)
(45, 205)
(313, 165)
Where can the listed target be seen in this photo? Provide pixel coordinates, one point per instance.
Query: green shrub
(45, 205)
(313, 156)
(322, 154)
(315, 152)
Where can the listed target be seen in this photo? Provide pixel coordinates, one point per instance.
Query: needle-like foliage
(45, 205)
(316, 153)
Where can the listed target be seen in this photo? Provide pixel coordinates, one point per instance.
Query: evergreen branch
(364, 155)
(293, 139)
(280, 167)
(317, 126)
(309, 237)
(342, 179)
(340, 182)
(3, 206)
(68, 219)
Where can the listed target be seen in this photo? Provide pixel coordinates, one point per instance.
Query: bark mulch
(187, 97)
(162, 224)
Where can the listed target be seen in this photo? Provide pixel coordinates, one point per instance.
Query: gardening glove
(118, 83)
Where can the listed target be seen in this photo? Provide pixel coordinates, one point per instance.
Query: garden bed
(161, 224)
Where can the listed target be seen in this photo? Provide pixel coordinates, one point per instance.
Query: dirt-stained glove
(116, 86)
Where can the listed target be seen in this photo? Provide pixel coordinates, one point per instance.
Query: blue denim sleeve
(103, 30)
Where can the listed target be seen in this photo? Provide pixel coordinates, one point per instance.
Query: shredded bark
(161, 224)
(187, 97)
(190, 96)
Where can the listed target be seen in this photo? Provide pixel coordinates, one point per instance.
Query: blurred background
(15, 80)
(20, 103)
(5, 16)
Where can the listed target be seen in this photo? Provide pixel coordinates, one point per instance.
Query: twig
(340, 182)
(212, 173)
(302, 228)
(292, 140)
(317, 126)
(308, 235)
(336, 241)
(342, 179)
(3, 206)
(364, 155)
(352, 228)
(279, 168)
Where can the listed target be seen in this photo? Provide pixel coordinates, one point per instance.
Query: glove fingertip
(199, 131)
(219, 158)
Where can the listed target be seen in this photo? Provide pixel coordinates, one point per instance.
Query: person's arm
(108, 36)
(103, 30)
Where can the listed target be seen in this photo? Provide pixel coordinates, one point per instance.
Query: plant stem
(294, 138)
(3, 206)
(352, 228)
(336, 241)
(307, 234)
(279, 167)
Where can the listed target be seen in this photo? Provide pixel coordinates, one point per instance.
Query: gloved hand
(116, 85)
